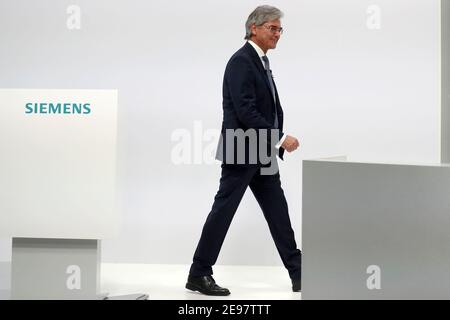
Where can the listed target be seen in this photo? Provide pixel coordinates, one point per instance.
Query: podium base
(58, 269)
(136, 296)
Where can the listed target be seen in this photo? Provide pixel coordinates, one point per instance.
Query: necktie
(272, 86)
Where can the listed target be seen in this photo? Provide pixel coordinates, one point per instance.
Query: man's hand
(290, 143)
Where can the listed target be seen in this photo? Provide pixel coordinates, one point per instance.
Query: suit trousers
(268, 192)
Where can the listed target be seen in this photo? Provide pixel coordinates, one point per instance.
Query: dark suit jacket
(248, 103)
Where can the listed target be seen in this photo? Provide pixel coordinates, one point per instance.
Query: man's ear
(253, 29)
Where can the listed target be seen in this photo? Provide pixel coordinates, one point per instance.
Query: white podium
(375, 230)
(57, 188)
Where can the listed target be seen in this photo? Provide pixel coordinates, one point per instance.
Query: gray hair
(259, 16)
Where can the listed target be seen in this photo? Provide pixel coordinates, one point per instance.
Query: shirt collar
(257, 48)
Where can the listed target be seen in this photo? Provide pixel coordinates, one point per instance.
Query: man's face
(267, 35)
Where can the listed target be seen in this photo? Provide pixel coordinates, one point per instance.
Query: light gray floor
(5, 278)
(166, 282)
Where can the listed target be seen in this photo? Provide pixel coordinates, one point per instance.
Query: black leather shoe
(297, 285)
(206, 285)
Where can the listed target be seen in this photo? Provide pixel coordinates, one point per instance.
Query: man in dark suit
(252, 133)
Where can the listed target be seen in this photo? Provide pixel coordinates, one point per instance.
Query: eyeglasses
(273, 29)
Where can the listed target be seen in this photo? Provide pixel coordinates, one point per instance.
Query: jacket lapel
(257, 60)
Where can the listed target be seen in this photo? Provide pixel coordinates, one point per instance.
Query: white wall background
(345, 89)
